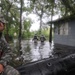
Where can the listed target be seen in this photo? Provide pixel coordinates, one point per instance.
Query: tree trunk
(41, 20)
(20, 27)
(50, 35)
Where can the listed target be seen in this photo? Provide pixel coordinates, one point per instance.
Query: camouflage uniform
(5, 51)
(9, 70)
(42, 38)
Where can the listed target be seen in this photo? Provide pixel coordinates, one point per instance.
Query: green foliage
(26, 30)
(11, 11)
(70, 5)
(45, 32)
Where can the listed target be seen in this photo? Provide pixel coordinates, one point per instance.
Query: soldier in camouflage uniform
(5, 51)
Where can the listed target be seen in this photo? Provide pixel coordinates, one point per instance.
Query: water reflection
(36, 51)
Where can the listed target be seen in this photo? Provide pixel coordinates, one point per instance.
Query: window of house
(58, 29)
(66, 29)
(63, 29)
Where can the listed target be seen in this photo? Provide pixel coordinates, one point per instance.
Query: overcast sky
(36, 23)
(34, 18)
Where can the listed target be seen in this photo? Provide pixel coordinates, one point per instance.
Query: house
(64, 33)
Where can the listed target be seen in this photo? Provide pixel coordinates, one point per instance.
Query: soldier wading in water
(5, 69)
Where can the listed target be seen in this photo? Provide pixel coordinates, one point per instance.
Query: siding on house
(69, 39)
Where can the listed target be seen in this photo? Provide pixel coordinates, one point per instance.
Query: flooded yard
(33, 52)
(37, 51)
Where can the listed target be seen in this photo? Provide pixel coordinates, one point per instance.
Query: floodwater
(33, 52)
(36, 51)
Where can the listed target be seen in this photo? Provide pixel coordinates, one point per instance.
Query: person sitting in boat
(5, 52)
(42, 39)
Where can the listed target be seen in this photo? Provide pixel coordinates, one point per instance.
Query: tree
(41, 10)
(20, 26)
(70, 5)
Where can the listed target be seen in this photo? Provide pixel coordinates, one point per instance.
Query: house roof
(64, 19)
